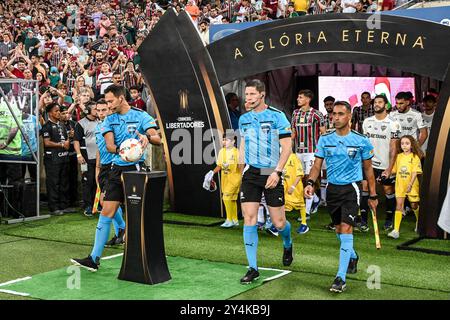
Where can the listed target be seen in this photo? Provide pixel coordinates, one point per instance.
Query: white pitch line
(283, 273)
(113, 256)
(15, 293)
(14, 281)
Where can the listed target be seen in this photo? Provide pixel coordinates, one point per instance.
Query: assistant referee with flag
(345, 151)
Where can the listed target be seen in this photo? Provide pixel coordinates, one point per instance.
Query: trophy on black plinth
(144, 259)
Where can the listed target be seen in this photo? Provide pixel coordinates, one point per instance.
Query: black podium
(144, 259)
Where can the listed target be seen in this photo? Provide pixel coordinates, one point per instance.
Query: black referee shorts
(343, 202)
(253, 185)
(103, 176)
(114, 188)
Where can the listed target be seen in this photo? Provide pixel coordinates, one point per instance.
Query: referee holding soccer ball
(125, 123)
(345, 152)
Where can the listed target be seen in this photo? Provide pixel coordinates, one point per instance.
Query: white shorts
(307, 160)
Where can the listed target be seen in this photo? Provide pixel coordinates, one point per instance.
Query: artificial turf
(192, 279)
(41, 246)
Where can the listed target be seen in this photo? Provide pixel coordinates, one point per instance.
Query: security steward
(56, 160)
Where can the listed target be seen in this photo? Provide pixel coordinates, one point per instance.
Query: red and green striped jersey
(328, 120)
(306, 125)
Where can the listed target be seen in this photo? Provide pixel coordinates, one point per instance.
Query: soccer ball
(131, 150)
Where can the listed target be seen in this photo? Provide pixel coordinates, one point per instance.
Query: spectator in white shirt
(215, 18)
(204, 31)
(348, 6)
(72, 48)
(61, 41)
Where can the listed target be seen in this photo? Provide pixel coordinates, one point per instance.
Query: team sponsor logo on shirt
(377, 136)
(404, 171)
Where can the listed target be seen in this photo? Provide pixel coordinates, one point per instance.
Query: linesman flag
(96, 200)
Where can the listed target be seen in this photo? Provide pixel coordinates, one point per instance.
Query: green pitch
(32, 249)
(191, 280)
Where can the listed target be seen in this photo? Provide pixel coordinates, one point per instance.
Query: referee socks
(101, 236)
(118, 221)
(286, 235)
(345, 254)
(251, 245)
(353, 254)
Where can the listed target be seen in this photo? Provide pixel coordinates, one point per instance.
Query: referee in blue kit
(264, 130)
(124, 123)
(345, 151)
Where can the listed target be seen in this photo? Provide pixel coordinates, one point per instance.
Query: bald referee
(345, 152)
(264, 130)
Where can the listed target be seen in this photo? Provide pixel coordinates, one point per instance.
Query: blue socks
(353, 254)
(101, 236)
(118, 221)
(251, 244)
(345, 254)
(286, 235)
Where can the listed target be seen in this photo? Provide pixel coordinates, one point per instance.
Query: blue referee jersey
(262, 132)
(126, 126)
(105, 156)
(344, 156)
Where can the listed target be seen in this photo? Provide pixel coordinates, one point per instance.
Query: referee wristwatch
(279, 172)
(374, 197)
